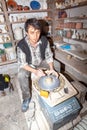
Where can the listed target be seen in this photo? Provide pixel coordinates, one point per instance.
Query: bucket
(10, 53)
(18, 33)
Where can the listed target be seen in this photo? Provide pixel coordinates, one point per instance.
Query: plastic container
(18, 33)
(6, 45)
(2, 56)
(10, 53)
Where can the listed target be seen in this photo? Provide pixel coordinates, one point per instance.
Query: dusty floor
(11, 117)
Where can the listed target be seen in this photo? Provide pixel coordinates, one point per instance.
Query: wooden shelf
(29, 11)
(4, 23)
(8, 62)
(76, 40)
(4, 33)
(7, 13)
(80, 40)
(23, 21)
(58, 28)
(18, 22)
(1, 13)
(72, 18)
(84, 41)
(74, 6)
(74, 66)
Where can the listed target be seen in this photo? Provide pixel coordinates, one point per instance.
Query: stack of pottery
(18, 33)
(79, 25)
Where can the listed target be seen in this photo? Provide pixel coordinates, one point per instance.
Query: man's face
(33, 35)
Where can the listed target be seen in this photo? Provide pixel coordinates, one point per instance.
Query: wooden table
(76, 67)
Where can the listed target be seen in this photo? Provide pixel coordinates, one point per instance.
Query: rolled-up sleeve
(48, 54)
(21, 58)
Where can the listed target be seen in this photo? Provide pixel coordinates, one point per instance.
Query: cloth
(3, 83)
(25, 80)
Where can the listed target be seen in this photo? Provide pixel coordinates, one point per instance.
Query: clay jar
(12, 5)
(69, 34)
(26, 8)
(64, 15)
(19, 7)
(73, 25)
(79, 25)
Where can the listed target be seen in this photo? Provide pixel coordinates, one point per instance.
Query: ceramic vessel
(18, 33)
(79, 25)
(19, 7)
(74, 34)
(12, 4)
(26, 8)
(69, 34)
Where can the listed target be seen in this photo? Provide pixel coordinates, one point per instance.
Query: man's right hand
(39, 73)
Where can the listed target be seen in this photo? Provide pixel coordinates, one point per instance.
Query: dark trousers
(24, 78)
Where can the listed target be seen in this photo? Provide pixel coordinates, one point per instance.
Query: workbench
(74, 66)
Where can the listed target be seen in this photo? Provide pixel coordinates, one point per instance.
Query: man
(33, 52)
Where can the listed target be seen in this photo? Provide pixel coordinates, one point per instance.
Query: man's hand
(39, 73)
(53, 72)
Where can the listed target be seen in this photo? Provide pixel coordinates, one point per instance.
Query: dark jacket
(25, 48)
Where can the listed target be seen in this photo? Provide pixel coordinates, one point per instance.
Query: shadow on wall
(45, 30)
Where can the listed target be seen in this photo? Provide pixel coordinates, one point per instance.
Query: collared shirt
(35, 54)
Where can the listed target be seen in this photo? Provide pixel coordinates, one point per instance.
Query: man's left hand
(53, 72)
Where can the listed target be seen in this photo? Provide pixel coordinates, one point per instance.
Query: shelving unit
(68, 4)
(7, 20)
(73, 61)
(63, 25)
(15, 19)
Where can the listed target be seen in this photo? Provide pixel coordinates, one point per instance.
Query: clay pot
(19, 7)
(73, 25)
(79, 25)
(69, 34)
(26, 8)
(12, 5)
(64, 15)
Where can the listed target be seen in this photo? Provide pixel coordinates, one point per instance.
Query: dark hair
(33, 22)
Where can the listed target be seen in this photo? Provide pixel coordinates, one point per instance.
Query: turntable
(62, 93)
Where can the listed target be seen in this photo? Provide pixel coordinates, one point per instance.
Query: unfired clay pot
(26, 8)
(49, 83)
(69, 34)
(19, 7)
(79, 25)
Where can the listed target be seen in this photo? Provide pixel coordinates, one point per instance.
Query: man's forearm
(51, 66)
(29, 68)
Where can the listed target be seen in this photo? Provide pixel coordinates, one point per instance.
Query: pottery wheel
(62, 83)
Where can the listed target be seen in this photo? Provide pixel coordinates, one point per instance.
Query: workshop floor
(11, 117)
